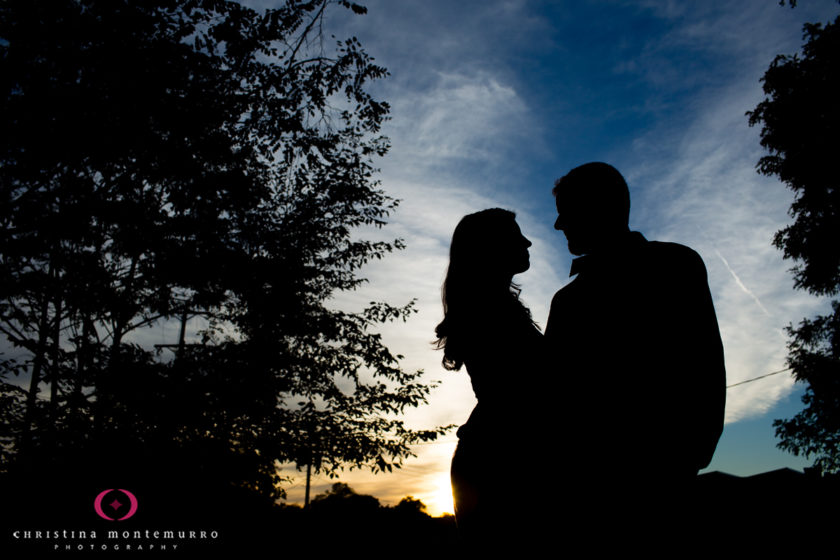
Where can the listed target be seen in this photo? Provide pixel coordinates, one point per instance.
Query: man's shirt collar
(625, 244)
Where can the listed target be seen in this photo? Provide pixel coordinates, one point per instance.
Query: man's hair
(597, 182)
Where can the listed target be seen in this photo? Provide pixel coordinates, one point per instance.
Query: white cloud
(459, 117)
(741, 284)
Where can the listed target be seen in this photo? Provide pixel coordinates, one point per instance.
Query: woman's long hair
(476, 285)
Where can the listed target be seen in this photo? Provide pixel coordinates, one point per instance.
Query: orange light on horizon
(441, 501)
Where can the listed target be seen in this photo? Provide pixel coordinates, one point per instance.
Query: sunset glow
(441, 502)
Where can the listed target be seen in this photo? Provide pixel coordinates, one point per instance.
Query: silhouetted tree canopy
(164, 160)
(800, 121)
(340, 499)
(344, 521)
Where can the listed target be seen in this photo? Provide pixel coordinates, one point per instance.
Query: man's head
(593, 206)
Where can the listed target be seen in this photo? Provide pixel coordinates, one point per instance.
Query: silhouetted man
(637, 350)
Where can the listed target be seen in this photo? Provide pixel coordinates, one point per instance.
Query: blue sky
(492, 100)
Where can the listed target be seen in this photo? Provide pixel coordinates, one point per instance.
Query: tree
(340, 499)
(801, 130)
(163, 160)
(411, 508)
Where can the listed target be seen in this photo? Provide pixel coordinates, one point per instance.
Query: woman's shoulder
(502, 337)
(509, 316)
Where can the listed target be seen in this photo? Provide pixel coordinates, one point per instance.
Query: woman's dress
(496, 446)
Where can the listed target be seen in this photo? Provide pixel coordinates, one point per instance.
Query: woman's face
(514, 250)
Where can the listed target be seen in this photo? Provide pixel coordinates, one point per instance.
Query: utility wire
(759, 377)
(438, 442)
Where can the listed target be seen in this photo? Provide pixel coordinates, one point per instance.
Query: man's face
(577, 220)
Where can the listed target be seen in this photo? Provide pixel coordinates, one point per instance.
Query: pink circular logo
(115, 505)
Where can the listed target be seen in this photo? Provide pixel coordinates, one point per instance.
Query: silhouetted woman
(488, 329)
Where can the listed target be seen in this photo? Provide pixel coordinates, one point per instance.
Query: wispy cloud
(458, 117)
(741, 284)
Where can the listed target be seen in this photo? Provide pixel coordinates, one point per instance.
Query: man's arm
(691, 354)
(704, 361)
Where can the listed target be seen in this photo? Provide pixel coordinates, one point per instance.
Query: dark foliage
(357, 522)
(166, 160)
(800, 121)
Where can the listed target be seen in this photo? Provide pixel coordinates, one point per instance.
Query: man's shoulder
(670, 248)
(566, 292)
(674, 256)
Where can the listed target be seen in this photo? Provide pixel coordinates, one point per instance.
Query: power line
(438, 442)
(759, 377)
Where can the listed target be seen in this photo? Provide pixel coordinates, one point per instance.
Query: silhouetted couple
(607, 418)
